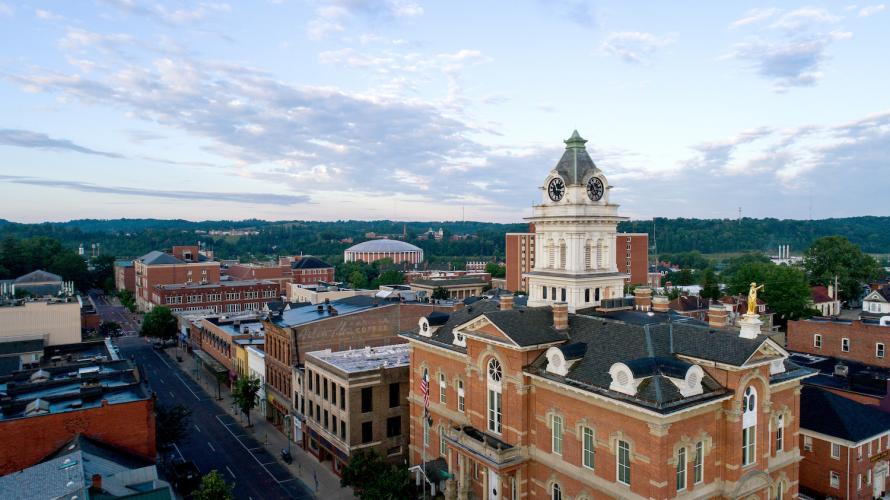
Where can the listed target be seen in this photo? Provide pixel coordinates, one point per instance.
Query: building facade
(538, 402)
(184, 265)
(854, 340)
(125, 275)
(876, 304)
(399, 251)
(222, 297)
(55, 321)
(520, 252)
(632, 256)
(457, 288)
(309, 270)
(356, 399)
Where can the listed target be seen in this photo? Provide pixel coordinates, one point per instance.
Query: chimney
(97, 482)
(560, 315)
(660, 304)
(506, 302)
(717, 315)
(643, 298)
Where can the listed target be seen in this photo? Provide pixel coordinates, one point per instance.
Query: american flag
(425, 390)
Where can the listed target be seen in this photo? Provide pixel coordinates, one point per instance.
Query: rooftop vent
(841, 370)
(37, 407)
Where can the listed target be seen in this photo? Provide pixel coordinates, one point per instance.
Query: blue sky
(366, 109)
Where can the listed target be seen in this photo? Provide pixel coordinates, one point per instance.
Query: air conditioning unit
(841, 370)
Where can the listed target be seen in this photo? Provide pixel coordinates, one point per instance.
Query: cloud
(6, 9)
(172, 16)
(46, 15)
(36, 140)
(871, 10)
(240, 197)
(791, 51)
(331, 16)
(580, 12)
(634, 46)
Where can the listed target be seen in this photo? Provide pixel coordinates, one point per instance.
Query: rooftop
(38, 276)
(827, 413)
(198, 286)
(365, 359)
(302, 315)
(242, 328)
(384, 245)
(859, 378)
(446, 282)
(310, 262)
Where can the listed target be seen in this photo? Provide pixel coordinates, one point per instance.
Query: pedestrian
(315, 476)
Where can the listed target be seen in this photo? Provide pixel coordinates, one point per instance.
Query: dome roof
(575, 163)
(383, 246)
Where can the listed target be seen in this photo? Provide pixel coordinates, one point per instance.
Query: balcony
(485, 446)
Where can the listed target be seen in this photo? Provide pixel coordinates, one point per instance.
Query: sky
(409, 110)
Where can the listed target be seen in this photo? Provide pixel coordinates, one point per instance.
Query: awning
(210, 364)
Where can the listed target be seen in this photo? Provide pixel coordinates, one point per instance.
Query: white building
(256, 367)
(575, 228)
(56, 321)
(876, 303)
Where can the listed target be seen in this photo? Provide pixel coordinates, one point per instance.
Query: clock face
(595, 188)
(556, 189)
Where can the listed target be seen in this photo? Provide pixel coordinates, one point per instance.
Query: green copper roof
(575, 163)
(575, 141)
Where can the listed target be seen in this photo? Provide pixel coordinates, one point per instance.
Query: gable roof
(156, 257)
(819, 294)
(882, 295)
(689, 303)
(527, 327)
(837, 416)
(309, 262)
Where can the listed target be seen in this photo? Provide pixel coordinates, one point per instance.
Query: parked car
(183, 475)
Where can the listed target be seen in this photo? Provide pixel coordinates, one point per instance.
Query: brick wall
(221, 305)
(863, 339)
(129, 426)
(638, 255)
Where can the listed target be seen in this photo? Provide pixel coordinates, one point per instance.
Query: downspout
(848, 472)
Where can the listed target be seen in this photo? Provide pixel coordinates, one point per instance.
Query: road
(110, 309)
(217, 440)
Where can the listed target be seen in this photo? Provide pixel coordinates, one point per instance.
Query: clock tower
(575, 228)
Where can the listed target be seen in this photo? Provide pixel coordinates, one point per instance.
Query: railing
(495, 454)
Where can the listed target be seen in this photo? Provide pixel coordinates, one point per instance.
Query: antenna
(740, 215)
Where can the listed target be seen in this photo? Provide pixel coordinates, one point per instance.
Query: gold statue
(752, 298)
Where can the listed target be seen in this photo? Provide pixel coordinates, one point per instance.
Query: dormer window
(692, 382)
(460, 339)
(424, 326)
(622, 379)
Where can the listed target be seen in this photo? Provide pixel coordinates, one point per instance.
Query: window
(845, 345)
(325, 385)
(835, 451)
(343, 430)
(544, 288)
(835, 480)
(442, 387)
(623, 466)
(342, 398)
(587, 447)
(460, 396)
(443, 449)
(325, 419)
(367, 399)
(563, 296)
(556, 434)
(807, 443)
(494, 395)
(817, 341)
(780, 491)
(367, 432)
(780, 433)
(393, 426)
(333, 393)
(317, 384)
(556, 493)
(749, 427)
(681, 469)
(868, 476)
(394, 395)
(879, 350)
(587, 295)
(334, 424)
(858, 481)
(698, 463)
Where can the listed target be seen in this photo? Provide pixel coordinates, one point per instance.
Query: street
(110, 309)
(217, 440)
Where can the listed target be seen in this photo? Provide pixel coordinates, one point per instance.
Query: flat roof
(296, 316)
(228, 326)
(365, 359)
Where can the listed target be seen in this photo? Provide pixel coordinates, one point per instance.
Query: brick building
(356, 399)
(845, 447)
(520, 253)
(309, 270)
(861, 341)
(184, 265)
(338, 325)
(280, 274)
(125, 275)
(221, 297)
(399, 251)
(42, 409)
(457, 288)
(539, 402)
(219, 339)
(632, 256)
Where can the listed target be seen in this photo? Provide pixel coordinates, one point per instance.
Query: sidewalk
(304, 466)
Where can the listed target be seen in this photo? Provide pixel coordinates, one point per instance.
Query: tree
(71, 267)
(495, 270)
(710, 287)
(835, 256)
(245, 394)
(440, 293)
(358, 280)
(171, 424)
(785, 289)
(213, 487)
(108, 327)
(373, 478)
(388, 277)
(127, 300)
(159, 323)
(102, 273)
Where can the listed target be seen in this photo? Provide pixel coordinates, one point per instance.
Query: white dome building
(372, 250)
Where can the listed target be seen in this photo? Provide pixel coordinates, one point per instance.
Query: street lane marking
(230, 472)
(162, 359)
(196, 427)
(248, 450)
(211, 447)
(187, 387)
(171, 394)
(162, 380)
(177, 451)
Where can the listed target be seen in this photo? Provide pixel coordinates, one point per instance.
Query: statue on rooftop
(752, 298)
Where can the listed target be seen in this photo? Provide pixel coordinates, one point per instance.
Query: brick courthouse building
(578, 397)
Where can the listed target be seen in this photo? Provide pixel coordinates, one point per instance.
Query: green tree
(358, 280)
(710, 287)
(388, 277)
(70, 267)
(171, 424)
(785, 289)
(108, 327)
(127, 299)
(495, 270)
(102, 272)
(835, 256)
(245, 394)
(440, 293)
(159, 323)
(373, 478)
(213, 487)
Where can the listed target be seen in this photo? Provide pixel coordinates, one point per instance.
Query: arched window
(556, 492)
(780, 433)
(562, 254)
(551, 254)
(749, 426)
(495, 401)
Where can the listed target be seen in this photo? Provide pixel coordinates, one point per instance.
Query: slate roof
(528, 327)
(688, 303)
(310, 262)
(38, 276)
(837, 416)
(444, 335)
(575, 163)
(156, 257)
